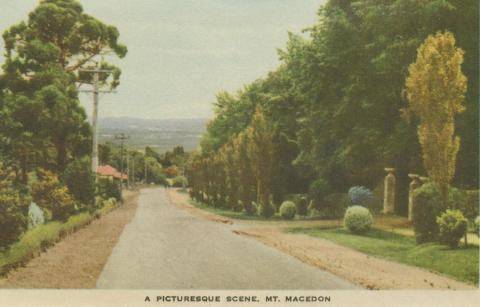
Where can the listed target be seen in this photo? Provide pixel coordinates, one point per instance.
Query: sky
(183, 52)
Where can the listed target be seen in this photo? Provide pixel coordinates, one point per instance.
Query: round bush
(452, 227)
(359, 195)
(426, 208)
(358, 219)
(288, 210)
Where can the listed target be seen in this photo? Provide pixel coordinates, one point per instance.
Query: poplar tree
(435, 89)
(244, 169)
(260, 153)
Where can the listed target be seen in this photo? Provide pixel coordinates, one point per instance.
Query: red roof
(107, 170)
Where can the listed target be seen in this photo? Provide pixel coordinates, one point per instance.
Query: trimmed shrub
(179, 182)
(427, 206)
(13, 210)
(452, 227)
(302, 206)
(50, 195)
(288, 210)
(358, 219)
(359, 196)
(477, 225)
(80, 180)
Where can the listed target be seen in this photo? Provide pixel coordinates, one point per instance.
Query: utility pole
(128, 170)
(96, 91)
(133, 171)
(146, 170)
(122, 137)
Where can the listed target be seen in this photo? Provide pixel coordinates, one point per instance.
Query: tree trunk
(61, 147)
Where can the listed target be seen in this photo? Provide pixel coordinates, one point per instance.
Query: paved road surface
(165, 247)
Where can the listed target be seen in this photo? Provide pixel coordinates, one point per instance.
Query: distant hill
(161, 134)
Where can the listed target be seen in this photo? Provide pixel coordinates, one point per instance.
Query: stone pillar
(389, 192)
(414, 184)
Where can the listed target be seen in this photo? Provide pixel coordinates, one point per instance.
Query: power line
(96, 91)
(122, 137)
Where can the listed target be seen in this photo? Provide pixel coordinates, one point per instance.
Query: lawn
(461, 264)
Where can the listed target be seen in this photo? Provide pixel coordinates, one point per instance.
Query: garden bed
(41, 237)
(461, 263)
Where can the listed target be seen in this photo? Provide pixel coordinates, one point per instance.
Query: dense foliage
(427, 206)
(477, 225)
(43, 126)
(334, 103)
(108, 187)
(13, 209)
(80, 181)
(302, 206)
(50, 194)
(452, 227)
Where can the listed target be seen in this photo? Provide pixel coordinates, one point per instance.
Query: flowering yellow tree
(435, 89)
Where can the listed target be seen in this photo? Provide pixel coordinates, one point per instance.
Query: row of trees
(334, 103)
(239, 175)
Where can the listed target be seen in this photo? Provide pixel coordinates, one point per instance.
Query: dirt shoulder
(361, 269)
(76, 261)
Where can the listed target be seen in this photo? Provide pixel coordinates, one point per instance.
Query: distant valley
(161, 134)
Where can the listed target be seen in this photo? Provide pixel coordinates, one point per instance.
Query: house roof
(107, 170)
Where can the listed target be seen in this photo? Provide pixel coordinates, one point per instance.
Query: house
(110, 171)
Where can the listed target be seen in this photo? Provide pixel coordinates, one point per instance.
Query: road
(165, 247)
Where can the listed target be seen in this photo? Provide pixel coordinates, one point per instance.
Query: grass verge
(233, 214)
(461, 263)
(41, 237)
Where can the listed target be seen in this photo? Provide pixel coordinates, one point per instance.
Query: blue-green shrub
(359, 196)
(288, 210)
(36, 216)
(358, 219)
(452, 227)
